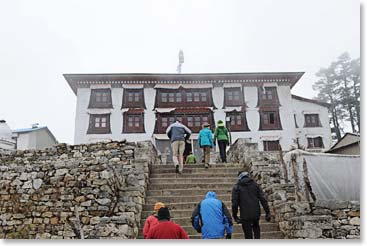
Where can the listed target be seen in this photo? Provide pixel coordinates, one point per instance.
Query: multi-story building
(255, 106)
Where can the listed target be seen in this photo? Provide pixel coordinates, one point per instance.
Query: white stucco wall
(284, 136)
(116, 118)
(300, 108)
(288, 107)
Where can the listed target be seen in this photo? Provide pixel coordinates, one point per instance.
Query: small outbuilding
(35, 137)
(349, 144)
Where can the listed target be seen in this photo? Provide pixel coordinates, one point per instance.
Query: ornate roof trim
(81, 80)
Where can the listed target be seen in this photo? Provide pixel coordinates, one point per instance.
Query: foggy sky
(41, 40)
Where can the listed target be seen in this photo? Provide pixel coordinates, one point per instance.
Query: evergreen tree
(339, 85)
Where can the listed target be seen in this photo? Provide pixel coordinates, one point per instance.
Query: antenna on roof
(180, 61)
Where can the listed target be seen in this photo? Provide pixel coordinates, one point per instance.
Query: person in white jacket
(178, 133)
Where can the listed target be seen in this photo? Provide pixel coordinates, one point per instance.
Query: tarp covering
(331, 176)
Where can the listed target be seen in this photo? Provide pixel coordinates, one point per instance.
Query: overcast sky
(41, 40)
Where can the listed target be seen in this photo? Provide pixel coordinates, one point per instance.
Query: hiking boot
(177, 167)
(206, 165)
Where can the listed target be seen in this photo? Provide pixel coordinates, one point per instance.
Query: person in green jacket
(190, 159)
(222, 136)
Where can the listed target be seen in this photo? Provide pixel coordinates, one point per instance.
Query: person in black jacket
(247, 195)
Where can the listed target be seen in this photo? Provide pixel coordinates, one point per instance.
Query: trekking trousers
(251, 228)
(222, 144)
(178, 148)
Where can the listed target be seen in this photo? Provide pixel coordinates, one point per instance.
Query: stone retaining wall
(297, 218)
(80, 191)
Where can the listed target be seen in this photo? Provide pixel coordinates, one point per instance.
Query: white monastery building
(256, 106)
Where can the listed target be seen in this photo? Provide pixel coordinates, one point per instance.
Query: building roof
(24, 130)
(5, 131)
(117, 79)
(27, 130)
(311, 101)
(348, 139)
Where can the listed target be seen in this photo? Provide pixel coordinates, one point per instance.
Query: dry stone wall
(81, 191)
(297, 218)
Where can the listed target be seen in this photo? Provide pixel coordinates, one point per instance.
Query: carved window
(233, 97)
(100, 98)
(270, 120)
(237, 121)
(271, 145)
(133, 98)
(183, 98)
(312, 120)
(193, 121)
(133, 123)
(314, 143)
(268, 96)
(99, 124)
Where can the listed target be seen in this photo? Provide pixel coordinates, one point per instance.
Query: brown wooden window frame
(265, 116)
(135, 118)
(273, 145)
(315, 143)
(135, 94)
(197, 119)
(100, 119)
(229, 99)
(184, 97)
(233, 125)
(269, 97)
(312, 120)
(100, 98)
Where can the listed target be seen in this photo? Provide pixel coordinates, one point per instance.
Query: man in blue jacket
(212, 219)
(205, 141)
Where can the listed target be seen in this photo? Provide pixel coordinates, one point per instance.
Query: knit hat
(206, 124)
(242, 175)
(163, 214)
(157, 206)
(220, 123)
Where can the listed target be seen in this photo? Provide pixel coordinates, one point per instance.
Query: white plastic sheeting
(331, 176)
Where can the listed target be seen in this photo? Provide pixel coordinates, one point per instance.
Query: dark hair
(163, 214)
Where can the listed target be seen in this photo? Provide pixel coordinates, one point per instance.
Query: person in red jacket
(152, 220)
(166, 229)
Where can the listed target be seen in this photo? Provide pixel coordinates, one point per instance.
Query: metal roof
(325, 104)
(24, 130)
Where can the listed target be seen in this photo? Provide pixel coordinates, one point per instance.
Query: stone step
(186, 221)
(179, 205)
(202, 166)
(203, 180)
(182, 199)
(237, 228)
(194, 175)
(263, 235)
(208, 187)
(231, 170)
(186, 213)
(187, 192)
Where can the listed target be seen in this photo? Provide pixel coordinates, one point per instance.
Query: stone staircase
(182, 193)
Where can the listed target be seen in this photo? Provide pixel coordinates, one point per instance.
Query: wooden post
(283, 163)
(295, 176)
(305, 179)
(307, 182)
